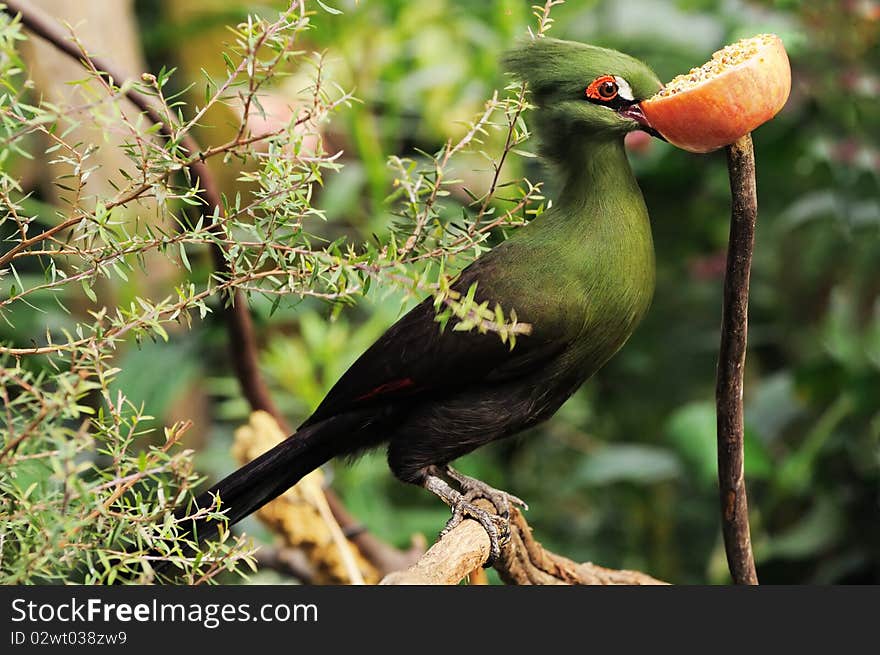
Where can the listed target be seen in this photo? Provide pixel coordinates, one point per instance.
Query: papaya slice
(741, 87)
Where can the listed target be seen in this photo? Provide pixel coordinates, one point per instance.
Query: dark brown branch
(290, 562)
(242, 340)
(385, 557)
(523, 560)
(732, 360)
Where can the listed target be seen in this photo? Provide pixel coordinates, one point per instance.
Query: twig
(385, 557)
(319, 501)
(498, 165)
(290, 562)
(543, 16)
(523, 560)
(732, 360)
(301, 516)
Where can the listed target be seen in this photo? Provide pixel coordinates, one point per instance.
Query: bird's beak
(634, 112)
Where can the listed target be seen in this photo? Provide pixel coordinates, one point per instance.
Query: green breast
(584, 271)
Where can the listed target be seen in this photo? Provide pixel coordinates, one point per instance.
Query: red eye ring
(603, 88)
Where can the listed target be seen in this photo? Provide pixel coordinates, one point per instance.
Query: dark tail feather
(270, 475)
(265, 478)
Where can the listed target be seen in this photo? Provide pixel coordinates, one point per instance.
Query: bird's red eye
(602, 88)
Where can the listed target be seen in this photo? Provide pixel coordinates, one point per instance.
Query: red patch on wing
(394, 385)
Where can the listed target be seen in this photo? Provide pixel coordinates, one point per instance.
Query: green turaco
(581, 274)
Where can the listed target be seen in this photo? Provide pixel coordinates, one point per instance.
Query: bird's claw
(463, 505)
(501, 500)
(497, 527)
(472, 489)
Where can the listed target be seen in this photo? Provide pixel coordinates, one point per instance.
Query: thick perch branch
(523, 560)
(732, 361)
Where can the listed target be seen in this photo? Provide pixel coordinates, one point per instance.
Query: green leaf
(818, 530)
(183, 257)
(797, 471)
(87, 289)
(633, 463)
(691, 431)
(328, 9)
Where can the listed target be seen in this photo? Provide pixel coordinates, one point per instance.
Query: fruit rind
(743, 86)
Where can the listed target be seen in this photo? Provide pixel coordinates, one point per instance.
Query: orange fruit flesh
(743, 86)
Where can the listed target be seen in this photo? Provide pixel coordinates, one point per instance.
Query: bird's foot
(497, 527)
(473, 489)
(462, 503)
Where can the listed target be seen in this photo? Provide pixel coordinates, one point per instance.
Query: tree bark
(523, 560)
(732, 360)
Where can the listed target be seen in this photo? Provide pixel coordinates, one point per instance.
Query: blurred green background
(624, 475)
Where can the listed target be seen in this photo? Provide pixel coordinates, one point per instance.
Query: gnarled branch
(523, 560)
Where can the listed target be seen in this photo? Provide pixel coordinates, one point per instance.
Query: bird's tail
(270, 475)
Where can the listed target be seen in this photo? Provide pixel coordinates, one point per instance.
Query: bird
(581, 275)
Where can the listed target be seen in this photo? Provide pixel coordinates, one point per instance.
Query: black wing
(414, 359)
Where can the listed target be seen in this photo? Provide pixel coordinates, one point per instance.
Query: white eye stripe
(623, 88)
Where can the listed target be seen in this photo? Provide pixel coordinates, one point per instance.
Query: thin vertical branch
(732, 360)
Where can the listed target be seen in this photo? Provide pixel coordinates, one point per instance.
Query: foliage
(73, 440)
